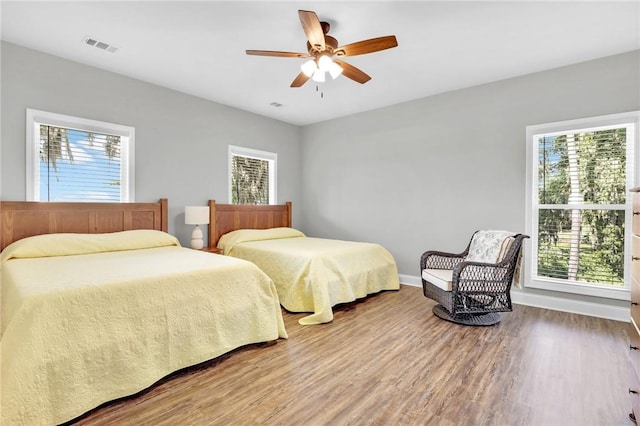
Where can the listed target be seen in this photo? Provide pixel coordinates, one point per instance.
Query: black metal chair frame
(479, 290)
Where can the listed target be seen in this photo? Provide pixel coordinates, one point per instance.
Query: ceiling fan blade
(277, 53)
(367, 46)
(352, 72)
(312, 28)
(299, 80)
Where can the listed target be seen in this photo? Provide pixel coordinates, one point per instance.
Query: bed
(310, 274)
(99, 302)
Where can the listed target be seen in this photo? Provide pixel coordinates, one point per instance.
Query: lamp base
(197, 243)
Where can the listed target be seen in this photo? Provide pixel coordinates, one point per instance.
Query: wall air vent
(90, 41)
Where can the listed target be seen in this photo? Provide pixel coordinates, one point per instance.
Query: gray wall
(181, 141)
(426, 174)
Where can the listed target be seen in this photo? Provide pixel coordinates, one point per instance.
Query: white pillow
(67, 244)
(230, 239)
(489, 246)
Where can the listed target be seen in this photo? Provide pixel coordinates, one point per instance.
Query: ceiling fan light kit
(317, 70)
(322, 47)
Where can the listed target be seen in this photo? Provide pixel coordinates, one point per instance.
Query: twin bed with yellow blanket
(90, 318)
(310, 274)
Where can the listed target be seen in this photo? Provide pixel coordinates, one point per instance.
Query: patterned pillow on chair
(489, 246)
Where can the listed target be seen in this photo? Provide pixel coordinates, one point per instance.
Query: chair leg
(490, 318)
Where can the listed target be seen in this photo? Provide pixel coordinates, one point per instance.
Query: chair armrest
(479, 276)
(440, 260)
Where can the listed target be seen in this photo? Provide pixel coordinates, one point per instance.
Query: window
(252, 176)
(578, 204)
(75, 159)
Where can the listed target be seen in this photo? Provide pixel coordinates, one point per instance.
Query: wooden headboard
(225, 218)
(21, 219)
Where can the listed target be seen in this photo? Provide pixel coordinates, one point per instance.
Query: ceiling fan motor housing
(331, 44)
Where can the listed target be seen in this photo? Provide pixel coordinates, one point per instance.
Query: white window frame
(127, 134)
(272, 157)
(633, 161)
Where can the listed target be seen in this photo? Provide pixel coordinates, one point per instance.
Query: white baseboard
(591, 309)
(410, 280)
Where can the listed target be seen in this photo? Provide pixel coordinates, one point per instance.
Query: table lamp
(196, 215)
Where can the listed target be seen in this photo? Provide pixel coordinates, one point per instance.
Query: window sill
(618, 293)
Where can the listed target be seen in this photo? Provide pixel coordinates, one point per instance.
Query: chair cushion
(441, 278)
(488, 246)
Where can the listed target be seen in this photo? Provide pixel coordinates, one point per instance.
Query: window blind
(581, 205)
(77, 165)
(249, 180)
(589, 166)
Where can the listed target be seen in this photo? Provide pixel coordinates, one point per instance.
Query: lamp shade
(196, 215)
(318, 76)
(324, 63)
(309, 67)
(335, 70)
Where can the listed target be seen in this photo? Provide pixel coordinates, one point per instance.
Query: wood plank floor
(388, 360)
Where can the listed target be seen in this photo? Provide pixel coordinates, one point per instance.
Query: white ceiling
(199, 47)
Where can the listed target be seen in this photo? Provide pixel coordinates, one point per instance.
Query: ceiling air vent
(90, 41)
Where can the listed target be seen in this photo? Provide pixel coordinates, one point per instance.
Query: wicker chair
(469, 289)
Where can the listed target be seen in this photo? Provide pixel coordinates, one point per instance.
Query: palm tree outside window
(76, 160)
(252, 176)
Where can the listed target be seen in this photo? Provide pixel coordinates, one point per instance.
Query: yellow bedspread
(82, 329)
(314, 274)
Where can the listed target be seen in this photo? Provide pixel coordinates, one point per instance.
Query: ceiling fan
(321, 48)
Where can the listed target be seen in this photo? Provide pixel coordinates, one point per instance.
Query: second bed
(310, 274)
